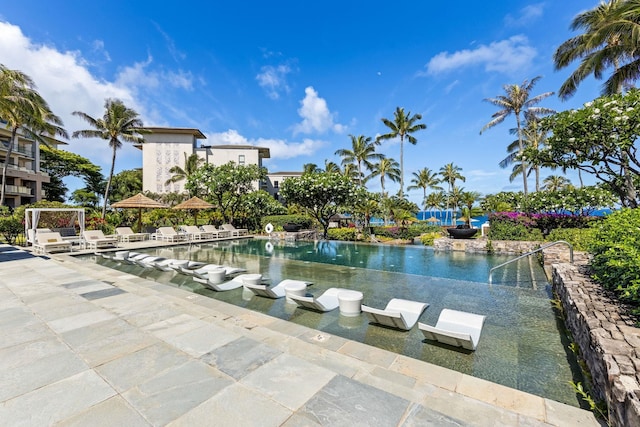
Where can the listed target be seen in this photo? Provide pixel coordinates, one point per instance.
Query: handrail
(541, 248)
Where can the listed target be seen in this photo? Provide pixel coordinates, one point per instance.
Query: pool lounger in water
(326, 302)
(455, 328)
(274, 292)
(399, 313)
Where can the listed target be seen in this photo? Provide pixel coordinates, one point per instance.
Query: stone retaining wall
(608, 341)
(484, 246)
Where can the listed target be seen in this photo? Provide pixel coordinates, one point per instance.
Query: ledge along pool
(523, 343)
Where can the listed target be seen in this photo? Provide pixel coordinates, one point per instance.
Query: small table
(350, 303)
(217, 275)
(297, 289)
(252, 279)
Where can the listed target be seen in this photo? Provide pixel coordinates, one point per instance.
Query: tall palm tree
(386, 168)
(450, 173)
(118, 124)
(331, 167)
(362, 152)
(607, 41)
(517, 101)
(350, 170)
(191, 164)
(402, 126)
(435, 200)
(23, 108)
(424, 179)
(310, 168)
(467, 199)
(555, 183)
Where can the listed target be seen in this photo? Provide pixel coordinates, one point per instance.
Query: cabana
(68, 221)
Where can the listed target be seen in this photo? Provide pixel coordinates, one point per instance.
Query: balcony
(19, 189)
(26, 151)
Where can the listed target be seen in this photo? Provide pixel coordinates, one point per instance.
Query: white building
(165, 148)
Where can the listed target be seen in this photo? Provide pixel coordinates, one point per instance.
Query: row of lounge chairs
(454, 328)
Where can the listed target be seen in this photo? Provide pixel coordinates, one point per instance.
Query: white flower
(588, 104)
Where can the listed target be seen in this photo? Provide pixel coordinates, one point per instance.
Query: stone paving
(84, 345)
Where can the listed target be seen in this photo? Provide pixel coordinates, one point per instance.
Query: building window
(241, 159)
(275, 196)
(275, 184)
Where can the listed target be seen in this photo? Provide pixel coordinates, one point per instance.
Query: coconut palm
(435, 200)
(517, 101)
(23, 108)
(555, 183)
(467, 199)
(607, 41)
(331, 167)
(351, 170)
(402, 126)
(191, 164)
(118, 124)
(424, 179)
(450, 173)
(386, 168)
(310, 168)
(362, 153)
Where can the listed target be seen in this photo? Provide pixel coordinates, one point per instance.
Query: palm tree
(607, 40)
(450, 173)
(362, 153)
(23, 108)
(191, 164)
(310, 168)
(435, 201)
(555, 183)
(402, 126)
(468, 198)
(388, 168)
(331, 167)
(424, 179)
(350, 170)
(517, 101)
(118, 124)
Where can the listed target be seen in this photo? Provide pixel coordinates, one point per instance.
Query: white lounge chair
(326, 302)
(455, 328)
(234, 283)
(48, 242)
(234, 231)
(95, 239)
(195, 233)
(399, 313)
(275, 292)
(211, 229)
(169, 234)
(201, 272)
(126, 234)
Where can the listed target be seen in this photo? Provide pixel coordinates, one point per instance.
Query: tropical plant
(362, 153)
(118, 124)
(435, 200)
(128, 183)
(555, 183)
(450, 173)
(322, 195)
(191, 164)
(517, 101)
(386, 168)
(608, 40)
(331, 167)
(403, 126)
(467, 199)
(599, 139)
(424, 179)
(23, 108)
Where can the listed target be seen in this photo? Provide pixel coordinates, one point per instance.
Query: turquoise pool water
(522, 344)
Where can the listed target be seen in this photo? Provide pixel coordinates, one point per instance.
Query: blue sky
(299, 77)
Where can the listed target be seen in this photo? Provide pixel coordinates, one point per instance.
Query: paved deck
(85, 345)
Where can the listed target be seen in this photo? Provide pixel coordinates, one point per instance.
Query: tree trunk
(106, 191)
(401, 166)
(524, 162)
(629, 187)
(5, 165)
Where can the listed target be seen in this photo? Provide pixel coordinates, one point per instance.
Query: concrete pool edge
(417, 381)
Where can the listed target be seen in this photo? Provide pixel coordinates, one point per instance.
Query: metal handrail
(541, 248)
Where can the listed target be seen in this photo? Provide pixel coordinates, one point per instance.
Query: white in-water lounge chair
(234, 231)
(455, 328)
(234, 283)
(95, 239)
(277, 291)
(326, 302)
(126, 234)
(399, 313)
(202, 272)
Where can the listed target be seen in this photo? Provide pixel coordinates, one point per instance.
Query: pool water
(522, 346)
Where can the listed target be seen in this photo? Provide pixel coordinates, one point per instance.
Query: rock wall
(608, 340)
(485, 246)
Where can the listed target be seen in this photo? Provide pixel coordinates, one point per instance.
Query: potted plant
(291, 228)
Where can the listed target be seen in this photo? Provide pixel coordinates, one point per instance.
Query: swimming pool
(522, 344)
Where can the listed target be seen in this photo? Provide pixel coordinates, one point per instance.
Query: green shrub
(580, 238)
(507, 230)
(10, 228)
(397, 232)
(616, 255)
(428, 238)
(423, 227)
(279, 220)
(349, 234)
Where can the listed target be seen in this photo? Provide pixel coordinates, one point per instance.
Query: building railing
(19, 189)
(29, 152)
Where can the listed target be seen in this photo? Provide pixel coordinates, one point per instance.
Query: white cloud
(279, 148)
(315, 114)
(504, 56)
(274, 80)
(528, 14)
(138, 76)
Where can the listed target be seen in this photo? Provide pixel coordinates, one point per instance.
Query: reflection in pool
(522, 344)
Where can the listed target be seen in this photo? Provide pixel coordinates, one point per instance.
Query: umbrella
(195, 204)
(433, 219)
(139, 201)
